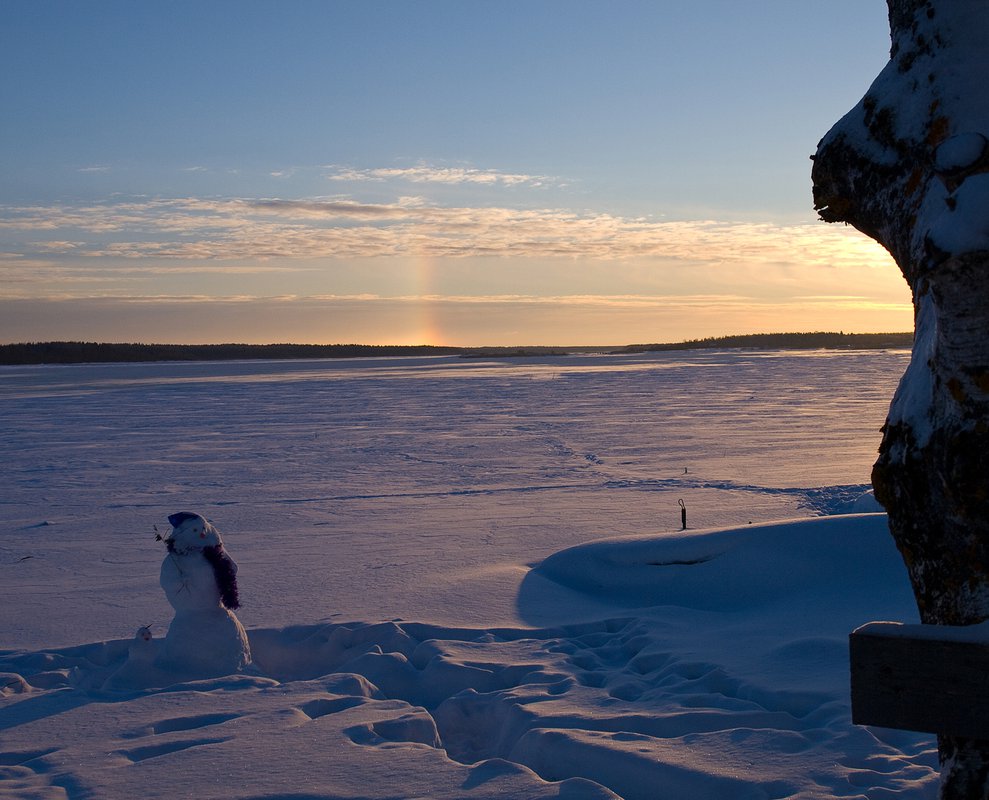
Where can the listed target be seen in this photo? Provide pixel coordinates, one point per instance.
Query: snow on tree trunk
(909, 166)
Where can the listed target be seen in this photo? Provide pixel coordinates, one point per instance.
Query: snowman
(205, 638)
(138, 671)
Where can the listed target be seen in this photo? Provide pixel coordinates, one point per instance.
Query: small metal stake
(683, 514)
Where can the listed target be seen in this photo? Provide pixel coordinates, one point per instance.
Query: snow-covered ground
(460, 578)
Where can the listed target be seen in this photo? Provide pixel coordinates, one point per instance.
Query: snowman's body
(205, 638)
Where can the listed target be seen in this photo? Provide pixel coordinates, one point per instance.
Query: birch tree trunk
(909, 166)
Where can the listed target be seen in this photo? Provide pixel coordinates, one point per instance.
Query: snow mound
(844, 560)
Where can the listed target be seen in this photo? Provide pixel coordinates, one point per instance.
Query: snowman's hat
(178, 518)
(191, 532)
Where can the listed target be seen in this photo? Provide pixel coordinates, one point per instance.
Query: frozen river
(459, 578)
(325, 476)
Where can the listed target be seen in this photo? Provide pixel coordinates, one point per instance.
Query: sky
(458, 172)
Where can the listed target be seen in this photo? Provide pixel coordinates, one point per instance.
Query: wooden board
(920, 684)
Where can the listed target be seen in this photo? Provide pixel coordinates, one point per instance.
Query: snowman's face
(192, 533)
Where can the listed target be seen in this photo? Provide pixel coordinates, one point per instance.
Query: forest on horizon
(104, 352)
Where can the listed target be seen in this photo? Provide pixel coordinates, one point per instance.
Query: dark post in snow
(909, 166)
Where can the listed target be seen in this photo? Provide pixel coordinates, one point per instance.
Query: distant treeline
(528, 352)
(97, 352)
(787, 341)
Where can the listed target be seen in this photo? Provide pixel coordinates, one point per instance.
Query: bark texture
(909, 166)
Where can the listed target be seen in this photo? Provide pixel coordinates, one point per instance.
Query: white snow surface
(459, 578)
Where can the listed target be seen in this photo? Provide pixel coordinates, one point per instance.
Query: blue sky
(440, 172)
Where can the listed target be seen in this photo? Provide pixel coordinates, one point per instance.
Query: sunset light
(387, 182)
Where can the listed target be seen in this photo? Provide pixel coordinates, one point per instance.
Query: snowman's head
(191, 532)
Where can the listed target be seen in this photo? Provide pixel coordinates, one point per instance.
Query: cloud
(326, 209)
(426, 173)
(57, 246)
(207, 230)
